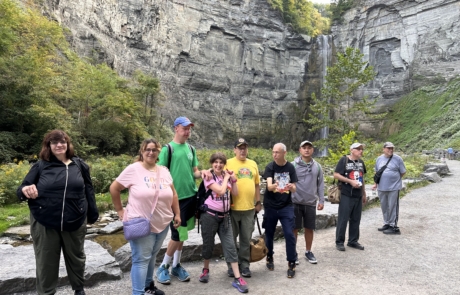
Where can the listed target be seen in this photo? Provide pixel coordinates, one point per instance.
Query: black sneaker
(79, 292)
(384, 227)
(356, 245)
(291, 270)
(270, 263)
(310, 257)
(340, 247)
(246, 272)
(230, 273)
(392, 231)
(153, 290)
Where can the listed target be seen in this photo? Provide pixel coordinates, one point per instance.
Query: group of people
(161, 185)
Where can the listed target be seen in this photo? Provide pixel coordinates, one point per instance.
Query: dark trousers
(47, 247)
(286, 217)
(350, 210)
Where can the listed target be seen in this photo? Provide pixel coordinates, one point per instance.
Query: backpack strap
(171, 151)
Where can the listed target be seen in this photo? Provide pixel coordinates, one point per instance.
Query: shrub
(11, 176)
(105, 170)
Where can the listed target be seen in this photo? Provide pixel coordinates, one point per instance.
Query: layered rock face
(409, 43)
(231, 66)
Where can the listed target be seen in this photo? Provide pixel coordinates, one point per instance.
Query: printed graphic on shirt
(151, 182)
(244, 173)
(356, 171)
(225, 196)
(283, 179)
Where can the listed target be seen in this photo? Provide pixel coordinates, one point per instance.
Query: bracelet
(233, 181)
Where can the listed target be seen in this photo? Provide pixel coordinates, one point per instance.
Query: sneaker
(392, 231)
(179, 272)
(153, 290)
(384, 227)
(297, 262)
(270, 263)
(79, 292)
(310, 257)
(204, 277)
(246, 272)
(230, 273)
(240, 285)
(356, 245)
(291, 270)
(340, 247)
(163, 275)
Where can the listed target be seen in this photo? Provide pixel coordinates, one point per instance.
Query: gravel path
(424, 259)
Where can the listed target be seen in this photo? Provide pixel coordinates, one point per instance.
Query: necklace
(150, 168)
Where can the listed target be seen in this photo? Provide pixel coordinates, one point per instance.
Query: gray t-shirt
(391, 179)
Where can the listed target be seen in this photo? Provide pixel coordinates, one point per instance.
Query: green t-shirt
(182, 163)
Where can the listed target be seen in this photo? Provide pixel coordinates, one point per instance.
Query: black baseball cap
(240, 142)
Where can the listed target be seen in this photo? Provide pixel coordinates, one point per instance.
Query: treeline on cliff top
(44, 85)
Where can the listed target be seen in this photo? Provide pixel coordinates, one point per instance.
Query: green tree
(339, 7)
(337, 108)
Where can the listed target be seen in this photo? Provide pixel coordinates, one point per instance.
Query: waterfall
(325, 54)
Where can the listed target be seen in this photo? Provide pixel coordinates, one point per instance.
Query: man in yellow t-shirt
(245, 204)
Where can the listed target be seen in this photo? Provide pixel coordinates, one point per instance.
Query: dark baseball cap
(240, 141)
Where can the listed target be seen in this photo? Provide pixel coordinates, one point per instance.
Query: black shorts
(187, 211)
(305, 216)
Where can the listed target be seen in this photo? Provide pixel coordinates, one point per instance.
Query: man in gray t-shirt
(389, 186)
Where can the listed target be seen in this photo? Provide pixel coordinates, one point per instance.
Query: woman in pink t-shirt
(141, 179)
(215, 219)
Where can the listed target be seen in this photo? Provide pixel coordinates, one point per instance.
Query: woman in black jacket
(60, 195)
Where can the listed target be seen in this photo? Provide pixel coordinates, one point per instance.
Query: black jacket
(62, 202)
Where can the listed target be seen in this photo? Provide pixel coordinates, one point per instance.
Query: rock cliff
(231, 66)
(409, 42)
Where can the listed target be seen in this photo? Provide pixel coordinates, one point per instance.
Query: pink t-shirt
(141, 184)
(220, 203)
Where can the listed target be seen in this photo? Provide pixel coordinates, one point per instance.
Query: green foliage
(13, 215)
(44, 86)
(105, 170)
(338, 8)
(303, 16)
(427, 118)
(337, 108)
(11, 176)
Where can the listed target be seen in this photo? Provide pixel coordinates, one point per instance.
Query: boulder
(17, 273)
(431, 177)
(440, 168)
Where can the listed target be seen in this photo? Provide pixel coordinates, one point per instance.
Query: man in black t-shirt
(281, 178)
(350, 172)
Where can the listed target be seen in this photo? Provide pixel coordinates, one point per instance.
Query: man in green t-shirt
(183, 165)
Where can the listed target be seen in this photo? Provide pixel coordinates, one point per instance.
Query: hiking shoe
(270, 263)
(153, 290)
(340, 247)
(297, 262)
(230, 273)
(291, 270)
(163, 275)
(392, 231)
(179, 272)
(204, 277)
(384, 227)
(79, 292)
(356, 245)
(240, 285)
(246, 272)
(310, 257)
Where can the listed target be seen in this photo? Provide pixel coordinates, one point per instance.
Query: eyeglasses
(56, 142)
(151, 150)
(242, 148)
(360, 149)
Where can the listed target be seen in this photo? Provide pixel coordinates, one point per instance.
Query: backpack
(171, 150)
(201, 197)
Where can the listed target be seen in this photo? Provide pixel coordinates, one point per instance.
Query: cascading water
(325, 53)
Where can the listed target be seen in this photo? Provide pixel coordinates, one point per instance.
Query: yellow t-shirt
(247, 174)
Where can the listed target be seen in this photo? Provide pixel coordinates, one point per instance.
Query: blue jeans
(286, 217)
(144, 254)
